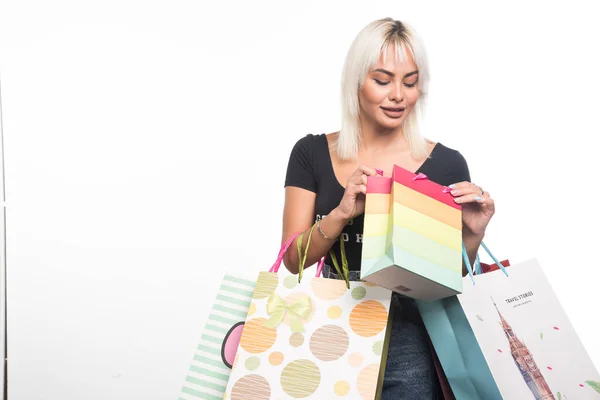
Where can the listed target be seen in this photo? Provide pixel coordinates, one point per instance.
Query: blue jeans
(410, 372)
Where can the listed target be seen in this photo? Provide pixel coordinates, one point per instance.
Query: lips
(393, 112)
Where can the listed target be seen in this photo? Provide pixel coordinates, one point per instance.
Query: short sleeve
(300, 170)
(461, 169)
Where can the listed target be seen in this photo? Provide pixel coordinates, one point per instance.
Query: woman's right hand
(353, 202)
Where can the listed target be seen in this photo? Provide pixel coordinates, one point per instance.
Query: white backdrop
(2, 259)
(146, 145)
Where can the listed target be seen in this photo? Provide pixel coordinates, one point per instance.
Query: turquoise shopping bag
(456, 346)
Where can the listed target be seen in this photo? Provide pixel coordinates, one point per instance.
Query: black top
(310, 168)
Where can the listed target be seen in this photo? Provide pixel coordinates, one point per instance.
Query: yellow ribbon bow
(297, 311)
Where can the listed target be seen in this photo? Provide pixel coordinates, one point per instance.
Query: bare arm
(299, 211)
(298, 216)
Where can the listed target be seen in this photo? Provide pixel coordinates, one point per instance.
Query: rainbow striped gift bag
(412, 239)
(210, 368)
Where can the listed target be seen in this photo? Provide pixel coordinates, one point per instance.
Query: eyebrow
(385, 71)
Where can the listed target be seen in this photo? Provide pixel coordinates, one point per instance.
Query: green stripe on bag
(231, 300)
(222, 319)
(241, 292)
(231, 311)
(209, 350)
(212, 339)
(198, 394)
(205, 384)
(207, 372)
(241, 281)
(208, 361)
(215, 328)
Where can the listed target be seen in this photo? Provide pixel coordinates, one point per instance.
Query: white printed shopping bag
(507, 337)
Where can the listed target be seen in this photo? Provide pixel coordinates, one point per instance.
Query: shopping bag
(447, 393)
(210, 368)
(507, 337)
(412, 239)
(313, 338)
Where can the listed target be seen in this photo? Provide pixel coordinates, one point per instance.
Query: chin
(390, 124)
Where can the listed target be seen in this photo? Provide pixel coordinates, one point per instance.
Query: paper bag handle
(302, 253)
(286, 245)
(478, 270)
(284, 248)
(320, 267)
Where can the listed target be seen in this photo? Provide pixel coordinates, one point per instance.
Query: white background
(133, 181)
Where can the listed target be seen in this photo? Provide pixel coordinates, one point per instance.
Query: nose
(396, 94)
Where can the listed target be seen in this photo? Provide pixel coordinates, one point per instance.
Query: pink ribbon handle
(284, 247)
(419, 176)
(320, 267)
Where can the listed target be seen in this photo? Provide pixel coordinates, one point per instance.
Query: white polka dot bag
(312, 338)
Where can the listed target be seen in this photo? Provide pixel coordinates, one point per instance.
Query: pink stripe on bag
(424, 186)
(379, 184)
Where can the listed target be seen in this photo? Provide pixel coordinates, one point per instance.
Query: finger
(360, 189)
(367, 170)
(462, 188)
(356, 189)
(465, 191)
(470, 198)
(488, 205)
(358, 179)
(460, 185)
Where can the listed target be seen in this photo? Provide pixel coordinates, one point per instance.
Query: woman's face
(390, 91)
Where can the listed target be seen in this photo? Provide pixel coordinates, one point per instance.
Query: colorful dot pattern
(329, 343)
(368, 318)
(337, 355)
(253, 387)
(300, 379)
(341, 388)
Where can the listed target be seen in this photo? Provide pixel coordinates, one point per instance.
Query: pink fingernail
(379, 172)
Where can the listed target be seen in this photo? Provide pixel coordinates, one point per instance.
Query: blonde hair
(368, 46)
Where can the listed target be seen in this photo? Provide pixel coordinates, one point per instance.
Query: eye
(410, 85)
(380, 82)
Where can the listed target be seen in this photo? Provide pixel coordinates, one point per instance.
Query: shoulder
(311, 148)
(447, 155)
(310, 142)
(451, 163)
(304, 168)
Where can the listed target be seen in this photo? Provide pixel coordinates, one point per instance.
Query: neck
(375, 138)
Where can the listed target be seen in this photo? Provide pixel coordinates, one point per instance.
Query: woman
(384, 83)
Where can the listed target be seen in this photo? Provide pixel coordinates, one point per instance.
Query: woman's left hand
(477, 206)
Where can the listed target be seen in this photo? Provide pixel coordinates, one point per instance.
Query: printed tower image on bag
(525, 362)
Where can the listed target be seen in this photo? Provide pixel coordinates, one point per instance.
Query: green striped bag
(210, 368)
